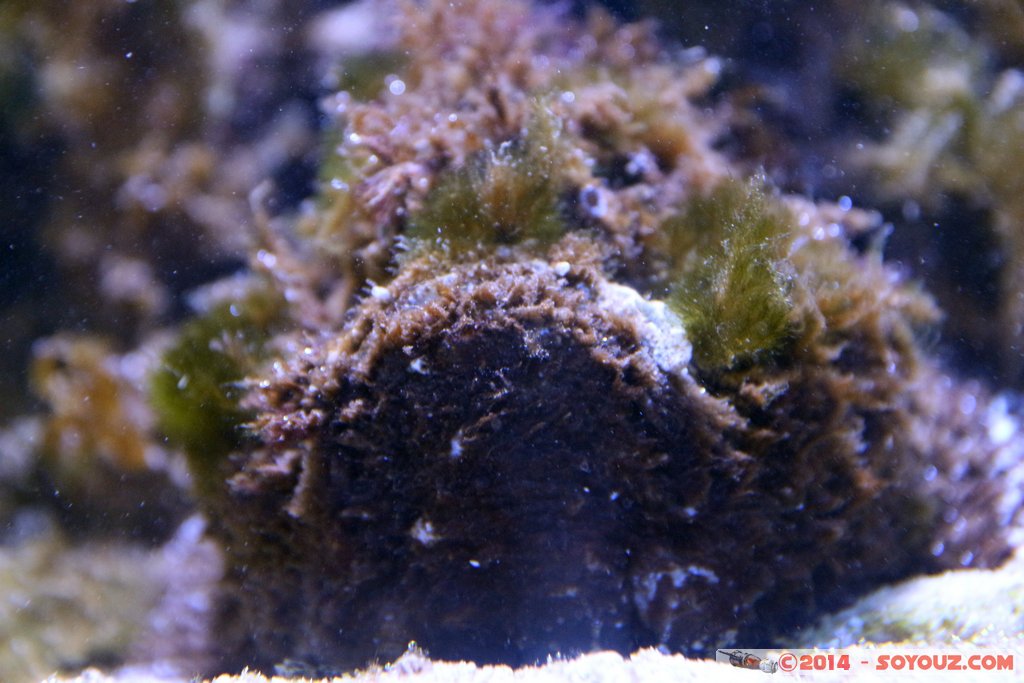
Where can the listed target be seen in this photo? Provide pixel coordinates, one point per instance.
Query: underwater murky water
(514, 330)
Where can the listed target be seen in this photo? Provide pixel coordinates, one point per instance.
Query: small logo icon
(788, 661)
(746, 660)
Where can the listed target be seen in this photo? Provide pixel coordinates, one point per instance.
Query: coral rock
(500, 463)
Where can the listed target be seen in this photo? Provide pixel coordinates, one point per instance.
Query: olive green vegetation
(11, 11)
(363, 76)
(196, 390)
(69, 607)
(956, 128)
(910, 57)
(732, 288)
(335, 203)
(506, 194)
(929, 81)
(953, 111)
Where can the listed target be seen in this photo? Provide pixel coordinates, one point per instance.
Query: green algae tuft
(505, 194)
(197, 388)
(733, 291)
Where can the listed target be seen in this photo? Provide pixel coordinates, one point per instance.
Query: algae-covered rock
(195, 388)
(585, 491)
(509, 447)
